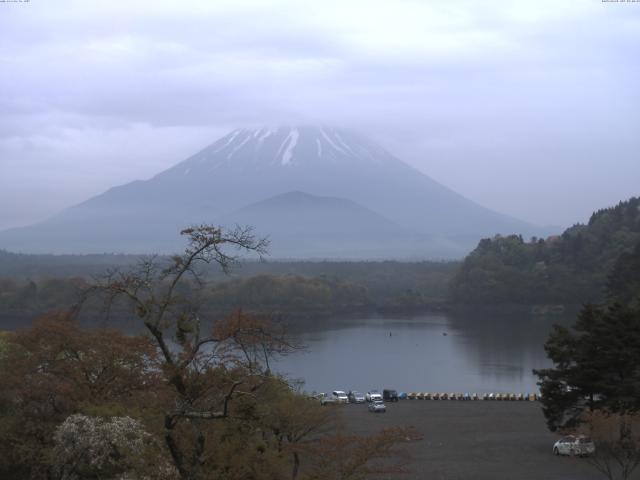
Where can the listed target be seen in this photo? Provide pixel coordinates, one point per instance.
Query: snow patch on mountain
(344, 144)
(239, 146)
(291, 141)
(230, 138)
(263, 133)
(331, 142)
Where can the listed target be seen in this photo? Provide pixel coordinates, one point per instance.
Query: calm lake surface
(473, 352)
(478, 352)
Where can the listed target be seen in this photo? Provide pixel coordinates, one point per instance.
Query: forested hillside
(31, 285)
(568, 269)
(26, 266)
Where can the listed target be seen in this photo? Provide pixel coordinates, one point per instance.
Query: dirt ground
(474, 440)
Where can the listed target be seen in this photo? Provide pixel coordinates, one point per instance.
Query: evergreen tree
(597, 361)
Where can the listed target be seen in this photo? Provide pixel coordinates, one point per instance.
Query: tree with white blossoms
(95, 448)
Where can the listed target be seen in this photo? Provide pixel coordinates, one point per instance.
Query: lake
(434, 352)
(480, 352)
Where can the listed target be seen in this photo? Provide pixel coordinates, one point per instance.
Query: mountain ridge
(250, 165)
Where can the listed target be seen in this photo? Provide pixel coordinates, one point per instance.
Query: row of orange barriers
(531, 397)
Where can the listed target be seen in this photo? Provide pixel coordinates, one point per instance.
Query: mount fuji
(318, 192)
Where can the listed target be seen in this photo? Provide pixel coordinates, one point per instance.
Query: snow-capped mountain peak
(284, 147)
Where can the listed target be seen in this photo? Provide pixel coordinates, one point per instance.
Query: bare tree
(205, 371)
(617, 441)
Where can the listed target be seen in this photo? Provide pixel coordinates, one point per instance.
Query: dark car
(389, 395)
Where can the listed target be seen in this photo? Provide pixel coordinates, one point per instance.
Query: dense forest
(568, 269)
(31, 285)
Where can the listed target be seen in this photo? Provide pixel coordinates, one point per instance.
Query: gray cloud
(529, 108)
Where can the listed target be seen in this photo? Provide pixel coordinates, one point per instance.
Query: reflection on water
(430, 352)
(482, 352)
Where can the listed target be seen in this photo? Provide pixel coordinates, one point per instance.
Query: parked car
(389, 395)
(326, 399)
(377, 406)
(356, 397)
(373, 395)
(574, 445)
(340, 396)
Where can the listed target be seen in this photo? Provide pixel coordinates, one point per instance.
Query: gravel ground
(474, 440)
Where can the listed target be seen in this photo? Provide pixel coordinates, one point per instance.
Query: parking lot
(474, 440)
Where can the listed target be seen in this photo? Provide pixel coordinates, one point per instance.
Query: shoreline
(21, 319)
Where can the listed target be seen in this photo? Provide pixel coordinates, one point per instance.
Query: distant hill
(306, 226)
(247, 167)
(571, 268)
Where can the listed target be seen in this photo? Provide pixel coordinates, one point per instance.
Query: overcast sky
(527, 107)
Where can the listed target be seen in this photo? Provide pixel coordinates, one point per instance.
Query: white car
(373, 396)
(355, 397)
(377, 407)
(574, 445)
(326, 399)
(340, 396)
